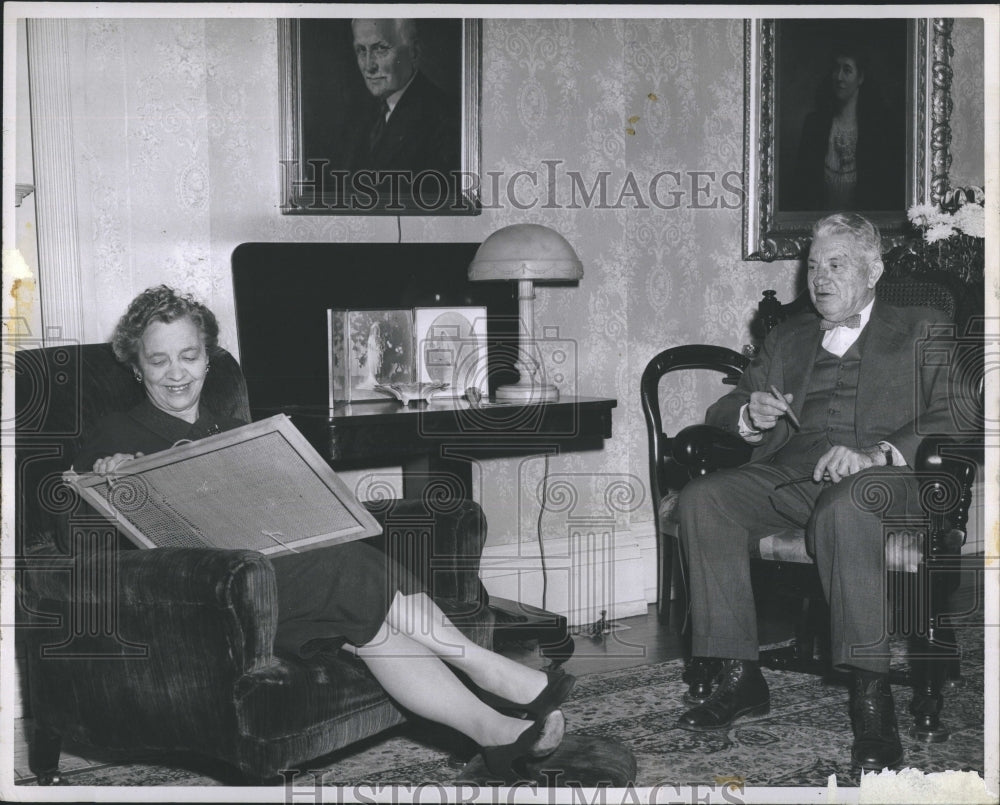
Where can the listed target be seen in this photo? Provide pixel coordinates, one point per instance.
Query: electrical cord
(538, 530)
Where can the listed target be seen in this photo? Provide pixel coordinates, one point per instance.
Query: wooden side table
(437, 442)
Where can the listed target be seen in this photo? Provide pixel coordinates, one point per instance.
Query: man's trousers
(721, 513)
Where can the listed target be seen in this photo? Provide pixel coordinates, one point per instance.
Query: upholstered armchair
(172, 649)
(918, 555)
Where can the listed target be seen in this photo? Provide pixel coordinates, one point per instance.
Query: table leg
(430, 475)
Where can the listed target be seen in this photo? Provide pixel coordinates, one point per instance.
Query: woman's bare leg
(422, 621)
(418, 679)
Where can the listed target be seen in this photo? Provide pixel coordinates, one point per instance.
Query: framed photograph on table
(452, 349)
(841, 114)
(368, 349)
(380, 116)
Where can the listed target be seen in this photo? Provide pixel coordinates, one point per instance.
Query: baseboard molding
(600, 570)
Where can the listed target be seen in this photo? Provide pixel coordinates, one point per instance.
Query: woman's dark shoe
(508, 763)
(553, 694)
(741, 691)
(873, 717)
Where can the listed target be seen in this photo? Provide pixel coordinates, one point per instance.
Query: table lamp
(528, 253)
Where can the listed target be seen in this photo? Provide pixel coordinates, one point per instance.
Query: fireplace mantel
(283, 291)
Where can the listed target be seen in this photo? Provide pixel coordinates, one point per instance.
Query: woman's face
(847, 79)
(173, 363)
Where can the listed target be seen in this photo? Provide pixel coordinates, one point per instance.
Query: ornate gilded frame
(772, 234)
(302, 194)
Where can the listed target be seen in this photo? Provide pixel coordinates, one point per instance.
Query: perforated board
(260, 487)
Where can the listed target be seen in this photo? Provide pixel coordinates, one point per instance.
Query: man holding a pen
(830, 403)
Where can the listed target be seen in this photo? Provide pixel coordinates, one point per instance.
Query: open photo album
(259, 487)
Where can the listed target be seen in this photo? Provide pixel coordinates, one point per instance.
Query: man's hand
(107, 465)
(839, 462)
(764, 409)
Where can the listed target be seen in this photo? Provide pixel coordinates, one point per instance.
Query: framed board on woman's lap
(259, 487)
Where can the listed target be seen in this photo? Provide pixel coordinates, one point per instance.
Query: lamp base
(527, 393)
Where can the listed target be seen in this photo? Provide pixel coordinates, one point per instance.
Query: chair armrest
(946, 466)
(952, 454)
(705, 448)
(211, 605)
(147, 649)
(439, 541)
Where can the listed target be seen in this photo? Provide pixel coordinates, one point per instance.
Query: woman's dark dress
(881, 170)
(326, 596)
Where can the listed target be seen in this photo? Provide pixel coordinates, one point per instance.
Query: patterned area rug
(805, 739)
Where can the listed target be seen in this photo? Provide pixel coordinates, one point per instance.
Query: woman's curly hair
(160, 304)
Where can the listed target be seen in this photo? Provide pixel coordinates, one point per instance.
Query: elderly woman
(851, 151)
(346, 592)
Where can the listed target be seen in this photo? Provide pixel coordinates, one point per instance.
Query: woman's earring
(138, 377)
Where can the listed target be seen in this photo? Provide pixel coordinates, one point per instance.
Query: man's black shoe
(741, 691)
(873, 717)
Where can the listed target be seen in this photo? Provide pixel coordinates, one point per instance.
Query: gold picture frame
(774, 228)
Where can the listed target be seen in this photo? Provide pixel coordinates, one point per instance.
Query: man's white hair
(406, 30)
(866, 236)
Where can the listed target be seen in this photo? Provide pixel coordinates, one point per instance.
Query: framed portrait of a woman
(841, 115)
(379, 116)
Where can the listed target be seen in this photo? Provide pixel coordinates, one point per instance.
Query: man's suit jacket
(424, 132)
(902, 392)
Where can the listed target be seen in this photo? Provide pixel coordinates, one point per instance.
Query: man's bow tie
(851, 322)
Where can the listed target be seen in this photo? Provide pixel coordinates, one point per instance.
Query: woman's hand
(107, 465)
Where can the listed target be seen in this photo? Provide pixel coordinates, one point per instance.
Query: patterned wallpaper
(176, 136)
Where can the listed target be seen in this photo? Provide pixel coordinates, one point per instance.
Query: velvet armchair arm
(164, 635)
(438, 540)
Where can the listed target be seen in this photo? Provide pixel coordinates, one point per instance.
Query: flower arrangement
(950, 238)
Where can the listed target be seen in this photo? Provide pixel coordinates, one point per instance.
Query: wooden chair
(916, 553)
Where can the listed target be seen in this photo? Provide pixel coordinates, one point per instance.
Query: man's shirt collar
(393, 99)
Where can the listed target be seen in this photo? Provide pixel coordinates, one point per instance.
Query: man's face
(840, 282)
(847, 79)
(385, 61)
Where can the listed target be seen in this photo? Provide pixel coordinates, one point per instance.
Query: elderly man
(851, 390)
(412, 125)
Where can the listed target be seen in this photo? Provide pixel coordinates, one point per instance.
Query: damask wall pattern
(177, 145)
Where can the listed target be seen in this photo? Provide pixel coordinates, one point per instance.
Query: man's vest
(828, 412)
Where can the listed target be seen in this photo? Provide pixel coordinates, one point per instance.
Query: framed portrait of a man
(841, 114)
(380, 116)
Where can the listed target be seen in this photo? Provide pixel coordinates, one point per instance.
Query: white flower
(938, 231)
(971, 220)
(942, 218)
(921, 214)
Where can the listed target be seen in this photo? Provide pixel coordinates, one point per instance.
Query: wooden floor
(640, 640)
